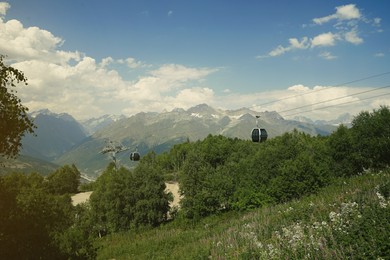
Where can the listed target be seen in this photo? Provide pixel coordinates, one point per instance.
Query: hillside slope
(348, 219)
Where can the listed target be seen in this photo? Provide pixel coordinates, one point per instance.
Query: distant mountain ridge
(63, 140)
(345, 119)
(160, 131)
(93, 124)
(55, 134)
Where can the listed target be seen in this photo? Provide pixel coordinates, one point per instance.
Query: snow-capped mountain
(345, 119)
(62, 140)
(93, 124)
(160, 131)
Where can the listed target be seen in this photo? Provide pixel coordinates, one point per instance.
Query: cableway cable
(318, 90)
(330, 106)
(333, 99)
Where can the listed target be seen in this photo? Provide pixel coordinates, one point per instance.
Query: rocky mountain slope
(55, 134)
(160, 131)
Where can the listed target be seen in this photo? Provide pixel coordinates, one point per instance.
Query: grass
(349, 219)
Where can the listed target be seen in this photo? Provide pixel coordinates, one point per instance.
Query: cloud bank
(75, 83)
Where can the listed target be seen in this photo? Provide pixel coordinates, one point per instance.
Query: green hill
(26, 164)
(349, 219)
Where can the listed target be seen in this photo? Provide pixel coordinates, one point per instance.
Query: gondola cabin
(259, 135)
(135, 156)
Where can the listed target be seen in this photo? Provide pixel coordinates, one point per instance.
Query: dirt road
(171, 187)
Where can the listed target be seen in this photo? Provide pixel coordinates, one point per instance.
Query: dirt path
(174, 188)
(81, 197)
(171, 187)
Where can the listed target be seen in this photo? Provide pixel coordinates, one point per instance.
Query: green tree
(124, 200)
(206, 181)
(347, 160)
(13, 115)
(64, 180)
(78, 241)
(371, 137)
(32, 220)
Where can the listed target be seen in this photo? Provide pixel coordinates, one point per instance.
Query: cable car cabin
(135, 156)
(259, 135)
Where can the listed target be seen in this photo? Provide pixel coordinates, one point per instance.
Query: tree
(347, 160)
(371, 136)
(13, 115)
(65, 180)
(124, 200)
(32, 220)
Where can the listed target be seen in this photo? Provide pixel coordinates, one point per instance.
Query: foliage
(32, 219)
(13, 115)
(221, 173)
(347, 219)
(78, 241)
(125, 200)
(366, 145)
(371, 134)
(64, 180)
(347, 160)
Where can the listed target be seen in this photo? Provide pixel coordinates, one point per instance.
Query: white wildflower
(382, 200)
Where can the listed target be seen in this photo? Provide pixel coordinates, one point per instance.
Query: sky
(312, 58)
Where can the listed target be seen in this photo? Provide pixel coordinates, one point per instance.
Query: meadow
(349, 219)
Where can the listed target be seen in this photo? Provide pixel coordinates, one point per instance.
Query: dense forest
(217, 176)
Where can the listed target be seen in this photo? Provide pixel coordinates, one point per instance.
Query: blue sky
(90, 58)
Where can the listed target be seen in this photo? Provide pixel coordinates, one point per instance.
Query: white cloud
(277, 51)
(86, 88)
(294, 44)
(346, 29)
(164, 82)
(180, 73)
(21, 43)
(377, 21)
(133, 63)
(352, 37)
(190, 97)
(72, 82)
(318, 102)
(298, 88)
(106, 61)
(327, 55)
(4, 6)
(324, 39)
(344, 12)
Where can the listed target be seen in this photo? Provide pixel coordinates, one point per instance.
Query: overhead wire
(333, 99)
(327, 88)
(353, 101)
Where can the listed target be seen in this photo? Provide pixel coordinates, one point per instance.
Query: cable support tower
(113, 148)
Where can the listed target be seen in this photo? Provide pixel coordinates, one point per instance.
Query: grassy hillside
(26, 164)
(349, 219)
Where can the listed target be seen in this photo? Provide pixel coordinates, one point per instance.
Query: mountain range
(62, 140)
